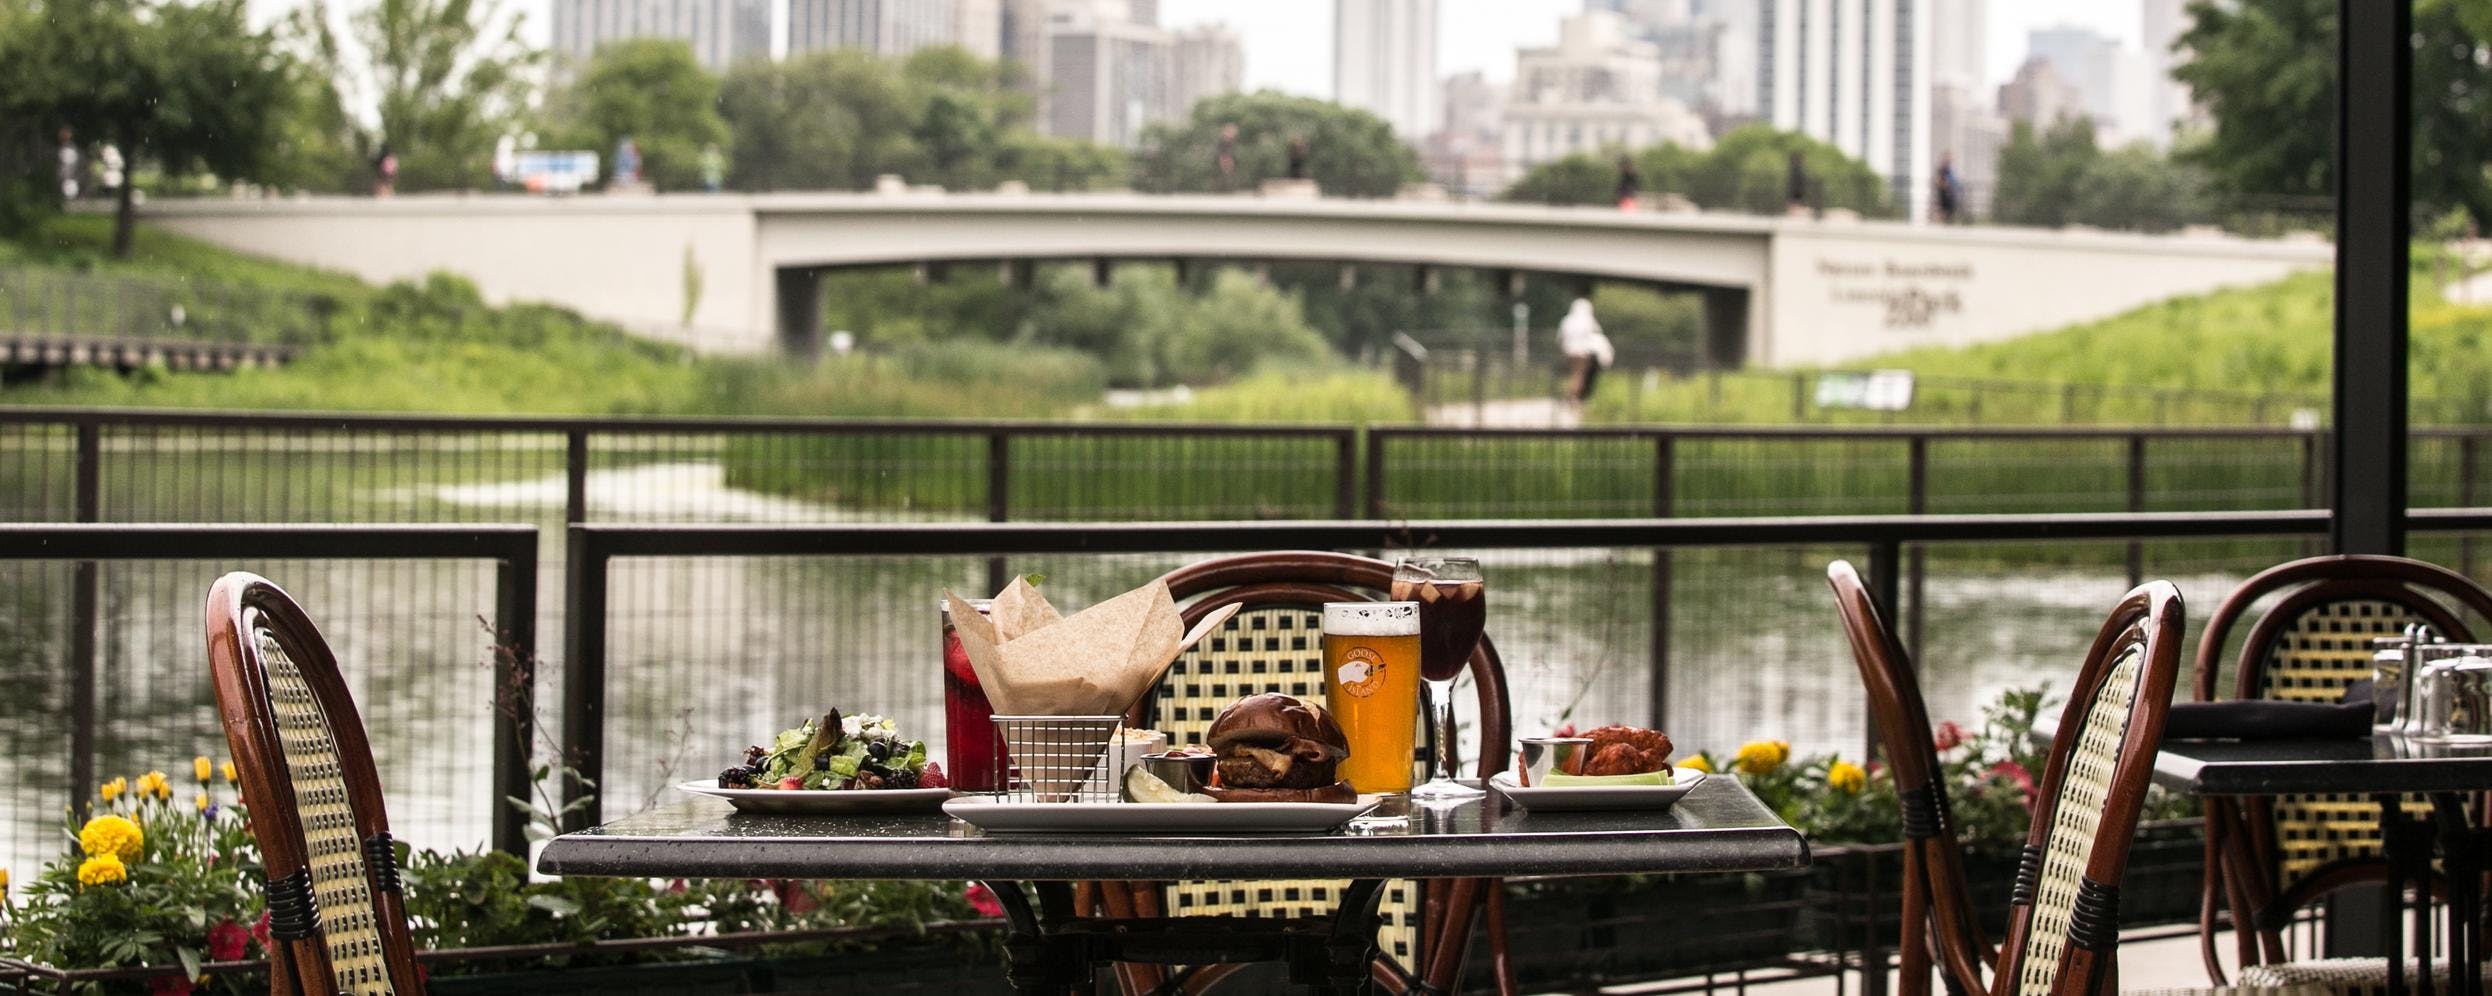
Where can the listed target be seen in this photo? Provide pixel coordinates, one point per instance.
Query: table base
(1050, 950)
(2407, 845)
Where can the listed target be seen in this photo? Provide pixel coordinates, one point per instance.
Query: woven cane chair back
(2310, 646)
(1275, 644)
(306, 770)
(2063, 929)
(1942, 897)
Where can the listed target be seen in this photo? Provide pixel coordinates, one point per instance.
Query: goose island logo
(1906, 295)
(1362, 674)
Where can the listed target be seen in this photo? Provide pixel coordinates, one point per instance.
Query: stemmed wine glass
(1453, 608)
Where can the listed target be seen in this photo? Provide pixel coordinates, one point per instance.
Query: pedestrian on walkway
(1224, 157)
(1630, 183)
(69, 166)
(1587, 350)
(1947, 190)
(1795, 183)
(1298, 158)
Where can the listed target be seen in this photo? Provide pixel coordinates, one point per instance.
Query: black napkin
(2262, 719)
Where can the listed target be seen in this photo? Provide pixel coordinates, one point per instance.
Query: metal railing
(512, 549)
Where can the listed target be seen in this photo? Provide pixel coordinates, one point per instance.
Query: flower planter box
(1577, 933)
(1855, 886)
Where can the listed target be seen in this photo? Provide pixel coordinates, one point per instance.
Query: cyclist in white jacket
(1588, 352)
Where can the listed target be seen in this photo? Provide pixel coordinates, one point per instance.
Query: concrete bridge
(743, 272)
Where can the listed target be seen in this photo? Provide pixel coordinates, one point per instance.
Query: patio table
(2385, 768)
(1717, 827)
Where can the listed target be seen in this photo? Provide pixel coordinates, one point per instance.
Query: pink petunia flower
(983, 900)
(1949, 737)
(2017, 774)
(259, 931)
(227, 941)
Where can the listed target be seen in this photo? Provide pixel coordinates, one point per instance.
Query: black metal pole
(514, 693)
(2374, 141)
(583, 675)
(85, 605)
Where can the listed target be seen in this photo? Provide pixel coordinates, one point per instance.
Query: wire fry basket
(1055, 758)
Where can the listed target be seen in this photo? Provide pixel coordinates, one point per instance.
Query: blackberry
(735, 778)
(753, 756)
(878, 750)
(822, 762)
(900, 780)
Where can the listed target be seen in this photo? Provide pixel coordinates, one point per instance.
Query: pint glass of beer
(1371, 684)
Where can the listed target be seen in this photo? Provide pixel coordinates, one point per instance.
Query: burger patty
(1296, 764)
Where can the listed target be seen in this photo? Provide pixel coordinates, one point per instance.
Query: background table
(1717, 827)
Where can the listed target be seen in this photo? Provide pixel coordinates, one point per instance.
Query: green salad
(836, 753)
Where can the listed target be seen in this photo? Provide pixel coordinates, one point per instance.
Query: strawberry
(932, 777)
(791, 783)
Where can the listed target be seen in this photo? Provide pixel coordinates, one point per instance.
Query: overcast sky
(1289, 43)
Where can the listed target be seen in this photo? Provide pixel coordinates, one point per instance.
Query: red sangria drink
(968, 727)
(1453, 609)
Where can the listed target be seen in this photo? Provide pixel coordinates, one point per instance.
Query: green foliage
(1292, 394)
(651, 91)
(473, 899)
(452, 77)
(2057, 176)
(1747, 170)
(2266, 72)
(188, 88)
(1350, 153)
(196, 874)
(838, 119)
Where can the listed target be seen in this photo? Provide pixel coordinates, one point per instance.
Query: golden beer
(1371, 684)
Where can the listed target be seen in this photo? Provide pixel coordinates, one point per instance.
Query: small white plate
(1584, 798)
(822, 801)
(987, 814)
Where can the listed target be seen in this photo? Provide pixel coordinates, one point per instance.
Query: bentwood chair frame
(2063, 919)
(336, 919)
(2244, 866)
(1939, 924)
(1304, 581)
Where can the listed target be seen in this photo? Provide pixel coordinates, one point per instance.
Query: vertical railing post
(2466, 499)
(2314, 478)
(85, 606)
(1665, 498)
(1345, 473)
(583, 677)
(998, 499)
(1885, 569)
(575, 477)
(514, 694)
(1375, 471)
(1799, 397)
(1917, 470)
(2137, 503)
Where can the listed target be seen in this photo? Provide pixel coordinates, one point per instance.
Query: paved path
(1508, 413)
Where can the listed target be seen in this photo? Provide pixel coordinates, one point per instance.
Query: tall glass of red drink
(1453, 609)
(968, 731)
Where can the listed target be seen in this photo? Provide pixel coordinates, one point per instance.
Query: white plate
(987, 814)
(820, 801)
(1582, 798)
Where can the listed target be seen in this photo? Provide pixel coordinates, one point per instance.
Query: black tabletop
(1718, 826)
(2361, 765)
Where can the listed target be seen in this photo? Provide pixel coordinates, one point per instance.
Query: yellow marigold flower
(227, 770)
(111, 836)
(1761, 757)
(153, 785)
(201, 769)
(4, 881)
(112, 790)
(1846, 777)
(102, 869)
(1694, 762)
(199, 802)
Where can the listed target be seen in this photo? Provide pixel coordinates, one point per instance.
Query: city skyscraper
(1109, 79)
(1204, 62)
(1384, 62)
(2167, 100)
(978, 25)
(1960, 44)
(883, 27)
(1856, 75)
(1597, 89)
(2111, 78)
(721, 32)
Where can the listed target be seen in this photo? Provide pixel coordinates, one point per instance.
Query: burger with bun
(1278, 748)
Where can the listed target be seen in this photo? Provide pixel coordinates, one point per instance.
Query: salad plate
(1587, 798)
(823, 801)
(995, 816)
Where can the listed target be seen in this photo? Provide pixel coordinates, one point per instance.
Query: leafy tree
(1059, 164)
(452, 78)
(652, 91)
(2039, 172)
(832, 119)
(1748, 170)
(187, 88)
(2059, 177)
(2266, 71)
(1582, 178)
(1350, 153)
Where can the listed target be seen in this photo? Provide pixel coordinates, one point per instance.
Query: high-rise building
(883, 27)
(1466, 155)
(721, 32)
(2039, 96)
(1204, 62)
(2168, 100)
(1707, 49)
(1856, 75)
(1960, 44)
(1384, 62)
(1596, 89)
(1107, 79)
(2110, 77)
(978, 26)
(1967, 131)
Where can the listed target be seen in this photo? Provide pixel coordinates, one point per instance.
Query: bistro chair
(1938, 924)
(335, 917)
(1275, 644)
(2063, 915)
(2269, 858)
